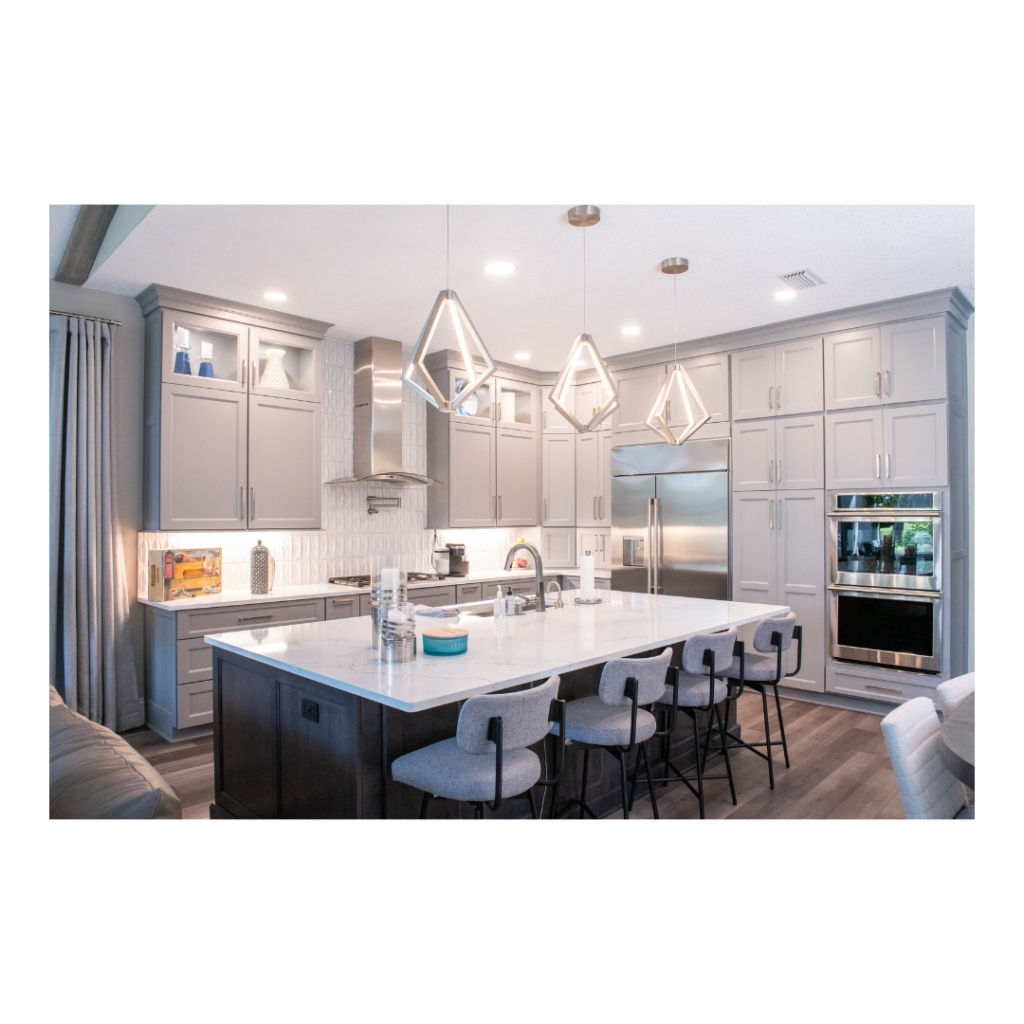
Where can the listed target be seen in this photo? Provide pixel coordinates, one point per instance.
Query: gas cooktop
(364, 581)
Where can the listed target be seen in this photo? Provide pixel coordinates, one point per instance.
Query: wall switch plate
(310, 710)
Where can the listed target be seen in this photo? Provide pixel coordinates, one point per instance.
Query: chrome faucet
(558, 587)
(538, 566)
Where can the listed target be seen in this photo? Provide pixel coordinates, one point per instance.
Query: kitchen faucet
(541, 603)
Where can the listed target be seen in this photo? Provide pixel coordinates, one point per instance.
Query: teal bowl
(445, 645)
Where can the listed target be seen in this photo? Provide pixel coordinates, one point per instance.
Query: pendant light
(466, 335)
(695, 415)
(583, 217)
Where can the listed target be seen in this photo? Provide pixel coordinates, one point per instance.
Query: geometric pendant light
(467, 337)
(583, 217)
(691, 410)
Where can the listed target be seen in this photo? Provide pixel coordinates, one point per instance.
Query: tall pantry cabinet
(232, 415)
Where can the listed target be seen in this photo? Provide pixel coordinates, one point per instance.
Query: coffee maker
(458, 564)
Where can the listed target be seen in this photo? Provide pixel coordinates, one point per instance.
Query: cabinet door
(853, 369)
(285, 365)
(916, 447)
(188, 340)
(753, 467)
(285, 472)
(753, 546)
(914, 361)
(472, 476)
(516, 461)
(710, 376)
(588, 478)
(637, 391)
(800, 573)
(590, 398)
(558, 548)
(604, 498)
(552, 421)
(596, 543)
(799, 377)
(202, 459)
(517, 405)
(800, 452)
(753, 383)
(853, 449)
(479, 407)
(558, 462)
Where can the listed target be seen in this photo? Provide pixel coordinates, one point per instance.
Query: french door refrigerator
(670, 519)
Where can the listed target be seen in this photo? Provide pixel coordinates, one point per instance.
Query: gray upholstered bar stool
(615, 719)
(705, 658)
(487, 761)
(773, 637)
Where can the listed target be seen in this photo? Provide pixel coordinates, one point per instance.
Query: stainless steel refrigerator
(670, 519)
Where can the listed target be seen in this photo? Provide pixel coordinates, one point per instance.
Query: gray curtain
(92, 663)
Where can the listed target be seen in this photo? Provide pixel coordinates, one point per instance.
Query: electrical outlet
(310, 710)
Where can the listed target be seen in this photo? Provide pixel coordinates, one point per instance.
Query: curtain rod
(84, 316)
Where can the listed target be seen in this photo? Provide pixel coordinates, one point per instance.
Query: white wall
(970, 459)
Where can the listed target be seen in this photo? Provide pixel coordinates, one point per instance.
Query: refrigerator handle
(656, 550)
(650, 545)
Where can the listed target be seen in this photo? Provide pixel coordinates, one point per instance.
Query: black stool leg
(725, 751)
(650, 784)
(782, 728)
(622, 781)
(700, 766)
(768, 737)
(533, 803)
(423, 805)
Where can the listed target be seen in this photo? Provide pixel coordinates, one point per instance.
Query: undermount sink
(481, 611)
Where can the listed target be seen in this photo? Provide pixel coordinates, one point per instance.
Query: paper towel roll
(586, 577)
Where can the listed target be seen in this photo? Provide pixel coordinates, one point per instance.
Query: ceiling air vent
(801, 279)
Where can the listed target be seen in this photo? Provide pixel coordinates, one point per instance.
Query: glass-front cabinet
(204, 352)
(284, 365)
(515, 404)
(479, 405)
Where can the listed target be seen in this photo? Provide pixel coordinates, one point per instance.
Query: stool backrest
(721, 643)
(927, 788)
(524, 718)
(650, 674)
(951, 693)
(785, 625)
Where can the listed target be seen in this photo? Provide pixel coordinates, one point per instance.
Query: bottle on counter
(499, 604)
(510, 602)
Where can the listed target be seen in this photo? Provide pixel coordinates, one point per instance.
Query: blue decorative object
(181, 362)
(205, 368)
(445, 641)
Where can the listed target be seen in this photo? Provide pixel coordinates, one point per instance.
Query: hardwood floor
(840, 769)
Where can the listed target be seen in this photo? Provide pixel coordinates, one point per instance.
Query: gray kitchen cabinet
(517, 477)
(465, 593)
(343, 607)
(779, 558)
(604, 505)
(196, 459)
(558, 547)
(777, 380)
(516, 405)
(598, 543)
(593, 478)
(301, 359)
(558, 474)
(285, 473)
(914, 361)
(552, 421)
(853, 369)
(638, 388)
(710, 376)
(434, 597)
(784, 453)
(589, 398)
(471, 474)
(753, 383)
(890, 448)
(223, 342)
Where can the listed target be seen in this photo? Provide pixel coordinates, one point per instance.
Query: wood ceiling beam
(86, 238)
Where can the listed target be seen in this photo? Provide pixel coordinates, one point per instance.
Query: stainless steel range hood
(377, 417)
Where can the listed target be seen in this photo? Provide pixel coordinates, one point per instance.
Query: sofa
(94, 773)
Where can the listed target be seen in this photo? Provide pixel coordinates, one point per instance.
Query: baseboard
(838, 700)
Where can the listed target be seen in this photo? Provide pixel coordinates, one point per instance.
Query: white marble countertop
(502, 652)
(333, 590)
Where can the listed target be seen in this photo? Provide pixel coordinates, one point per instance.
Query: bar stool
(487, 761)
(615, 719)
(692, 691)
(762, 671)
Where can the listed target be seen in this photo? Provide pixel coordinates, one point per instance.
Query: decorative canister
(261, 569)
(273, 373)
(398, 633)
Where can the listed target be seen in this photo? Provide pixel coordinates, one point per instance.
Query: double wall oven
(885, 592)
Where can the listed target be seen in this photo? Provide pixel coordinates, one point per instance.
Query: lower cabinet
(890, 687)
(779, 558)
(343, 607)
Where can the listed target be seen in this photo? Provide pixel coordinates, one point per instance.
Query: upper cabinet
(591, 397)
(516, 405)
(902, 362)
(777, 380)
(553, 422)
(232, 420)
(783, 453)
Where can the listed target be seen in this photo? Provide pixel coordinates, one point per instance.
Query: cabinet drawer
(364, 604)
(248, 616)
(195, 704)
(343, 607)
(895, 690)
(469, 592)
(434, 597)
(195, 661)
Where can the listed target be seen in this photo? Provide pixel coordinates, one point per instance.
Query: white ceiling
(377, 269)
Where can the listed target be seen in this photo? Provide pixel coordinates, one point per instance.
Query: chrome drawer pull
(886, 689)
(347, 600)
(255, 618)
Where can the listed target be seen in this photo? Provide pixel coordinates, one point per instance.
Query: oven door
(880, 627)
(893, 551)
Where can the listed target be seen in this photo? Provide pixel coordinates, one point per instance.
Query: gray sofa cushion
(94, 773)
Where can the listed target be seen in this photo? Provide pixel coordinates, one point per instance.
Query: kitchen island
(307, 719)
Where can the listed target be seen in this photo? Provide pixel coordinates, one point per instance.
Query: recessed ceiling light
(630, 330)
(500, 268)
(274, 296)
(522, 355)
(785, 295)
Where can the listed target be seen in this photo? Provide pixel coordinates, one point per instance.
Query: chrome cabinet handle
(887, 465)
(253, 378)
(769, 396)
(878, 467)
(668, 409)
(252, 503)
(778, 516)
(778, 396)
(545, 509)
(885, 689)
(878, 383)
(241, 502)
(771, 471)
(243, 373)
(778, 471)
(888, 383)
(771, 515)
(341, 601)
(544, 419)
(255, 618)
(594, 508)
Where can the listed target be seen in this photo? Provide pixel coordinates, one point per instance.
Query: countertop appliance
(458, 563)
(885, 589)
(670, 519)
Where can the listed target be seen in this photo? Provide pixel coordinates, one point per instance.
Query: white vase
(273, 373)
